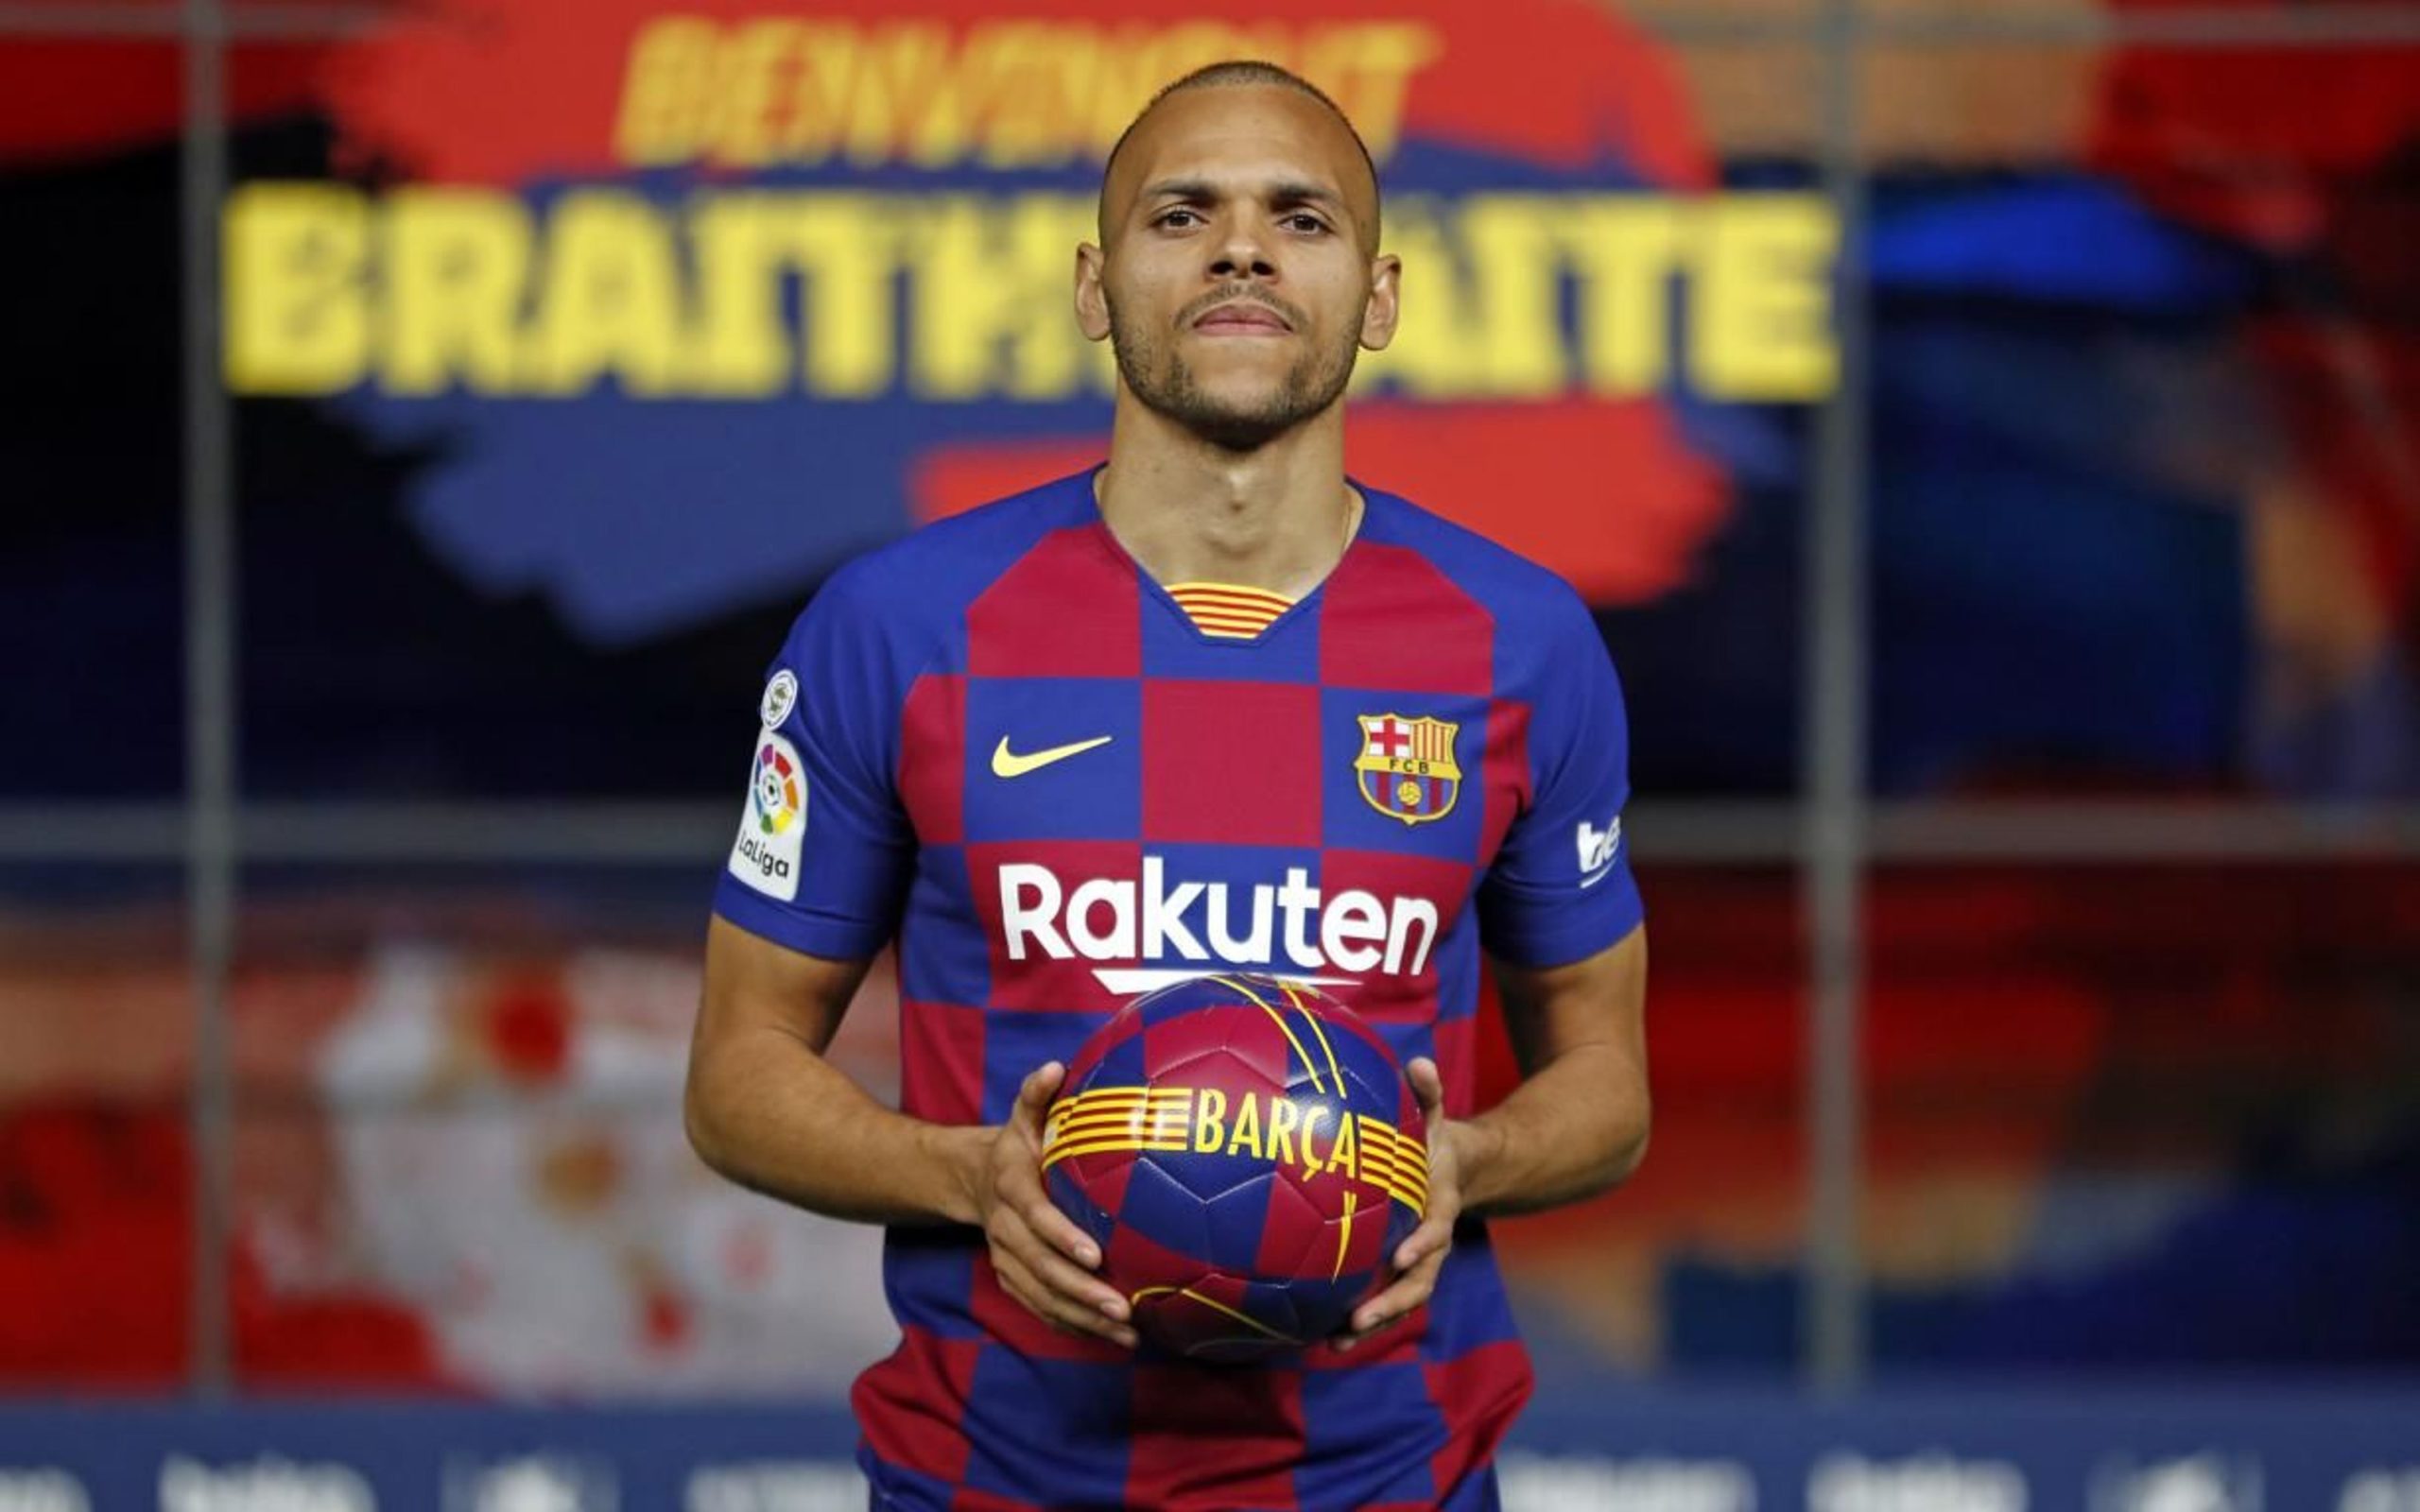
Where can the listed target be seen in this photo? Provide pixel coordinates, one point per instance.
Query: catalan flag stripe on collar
(1229, 610)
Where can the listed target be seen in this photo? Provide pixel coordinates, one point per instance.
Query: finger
(1053, 1307)
(1395, 1303)
(1037, 1298)
(1347, 1342)
(1017, 1182)
(1017, 1234)
(1078, 1286)
(1426, 1085)
(1434, 1236)
(1060, 1231)
(1034, 1094)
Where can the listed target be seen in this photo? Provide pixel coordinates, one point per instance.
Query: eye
(1170, 218)
(1302, 220)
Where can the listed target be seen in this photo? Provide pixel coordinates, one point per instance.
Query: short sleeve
(1560, 888)
(824, 847)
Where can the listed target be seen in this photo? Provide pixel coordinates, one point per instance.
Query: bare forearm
(1570, 1131)
(767, 1112)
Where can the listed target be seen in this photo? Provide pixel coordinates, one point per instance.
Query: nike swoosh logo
(1006, 763)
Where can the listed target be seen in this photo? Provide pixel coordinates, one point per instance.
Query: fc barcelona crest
(1406, 769)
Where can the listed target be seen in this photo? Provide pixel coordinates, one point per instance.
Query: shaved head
(1238, 270)
(1230, 75)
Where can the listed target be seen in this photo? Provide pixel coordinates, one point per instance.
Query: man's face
(1236, 280)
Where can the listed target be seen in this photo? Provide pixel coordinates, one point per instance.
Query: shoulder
(915, 589)
(1531, 605)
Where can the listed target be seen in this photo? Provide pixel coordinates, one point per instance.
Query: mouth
(1242, 317)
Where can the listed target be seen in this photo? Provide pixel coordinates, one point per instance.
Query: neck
(1276, 518)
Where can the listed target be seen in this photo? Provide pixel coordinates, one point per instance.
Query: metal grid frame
(1834, 832)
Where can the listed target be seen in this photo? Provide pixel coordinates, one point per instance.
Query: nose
(1241, 252)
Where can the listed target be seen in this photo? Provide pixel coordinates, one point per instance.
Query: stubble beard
(1159, 376)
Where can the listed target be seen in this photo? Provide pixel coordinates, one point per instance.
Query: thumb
(1034, 1094)
(1427, 1086)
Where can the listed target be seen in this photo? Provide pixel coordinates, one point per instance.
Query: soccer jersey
(1001, 744)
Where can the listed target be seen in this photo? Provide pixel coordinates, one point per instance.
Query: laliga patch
(773, 827)
(781, 697)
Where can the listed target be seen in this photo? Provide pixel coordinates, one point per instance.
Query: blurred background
(1990, 433)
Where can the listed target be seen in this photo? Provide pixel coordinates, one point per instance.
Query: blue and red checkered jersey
(1000, 744)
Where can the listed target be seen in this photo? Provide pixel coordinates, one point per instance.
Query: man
(1209, 707)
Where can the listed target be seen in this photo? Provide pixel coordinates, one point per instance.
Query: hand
(1422, 1255)
(1042, 1257)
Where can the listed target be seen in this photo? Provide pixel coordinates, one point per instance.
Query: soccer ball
(1248, 1154)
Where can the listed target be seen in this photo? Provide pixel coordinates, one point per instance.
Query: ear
(1092, 300)
(1386, 297)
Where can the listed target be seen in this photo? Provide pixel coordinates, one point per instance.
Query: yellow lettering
(1168, 1119)
(818, 107)
(1346, 1157)
(992, 312)
(1369, 69)
(1312, 1117)
(438, 288)
(754, 89)
(738, 346)
(1247, 1132)
(1283, 1117)
(848, 244)
(1625, 250)
(1760, 304)
(670, 79)
(901, 105)
(609, 302)
(1209, 1121)
(456, 264)
(1513, 253)
(1005, 91)
(1109, 81)
(1436, 340)
(1191, 44)
(297, 293)
(1012, 92)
